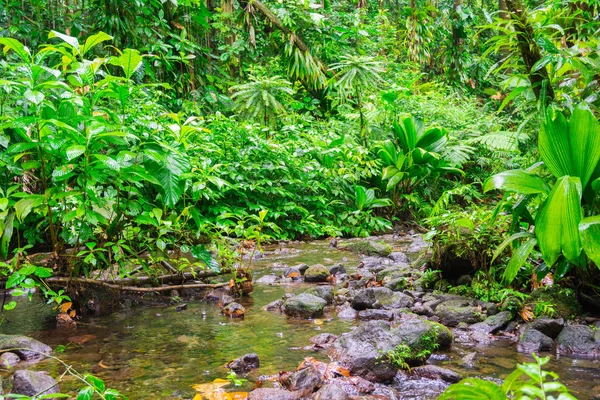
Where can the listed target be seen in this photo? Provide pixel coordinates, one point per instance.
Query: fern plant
(260, 97)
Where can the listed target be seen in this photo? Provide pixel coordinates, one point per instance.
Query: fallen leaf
(64, 307)
(197, 397)
(238, 395)
(81, 339)
(208, 389)
(527, 314)
(102, 365)
(318, 321)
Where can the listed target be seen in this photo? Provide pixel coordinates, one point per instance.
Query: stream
(159, 353)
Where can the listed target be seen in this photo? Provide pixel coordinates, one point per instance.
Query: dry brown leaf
(102, 365)
(64, 307)
(527, 314)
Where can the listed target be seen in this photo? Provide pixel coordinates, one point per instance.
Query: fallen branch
(93, 282)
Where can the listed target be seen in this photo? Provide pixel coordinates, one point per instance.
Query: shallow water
(159, 353)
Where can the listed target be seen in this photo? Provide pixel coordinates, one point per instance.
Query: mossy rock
(562, 302)
(316, 273)
(369, 248)
(305, 305)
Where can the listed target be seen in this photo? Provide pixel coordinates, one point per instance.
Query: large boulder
(316, 273)
(305, 305)
(31, 349)
(363, 350)
(31, 383)
(380, 297)
(369, 248)
(534, 341)
(579, 339)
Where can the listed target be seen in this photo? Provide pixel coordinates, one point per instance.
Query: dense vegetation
(135, 130)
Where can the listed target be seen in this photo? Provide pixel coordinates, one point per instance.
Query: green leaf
(95, 40)
(34, 97)
(130, 60)
(7, 233)
(201, 253)
(172, 165)
(473, 389)
(9, 306)
(24, 206)
(85, 393)
(589, 229)
(508, 241)
(97, 383)
(557, 222)
(573, 147)
(75, 151)
(517, 180)
(70, 40)
(511, 379)
(16, 46)
(517, 260)
(108, 162)
(14, 279)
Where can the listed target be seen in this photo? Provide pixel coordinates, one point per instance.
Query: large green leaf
(168, 170)
(517, 260)
(95, 40)
(16, 46)
(6, 234)
(70, 40)
(473, 389)
(517, 180)
(571, 147)
(589, 229)
(557, 221)
(130, 60)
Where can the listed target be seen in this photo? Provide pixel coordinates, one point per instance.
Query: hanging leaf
(518, 260)
(557, 222)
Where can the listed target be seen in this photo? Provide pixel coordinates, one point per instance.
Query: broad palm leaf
(259, 97)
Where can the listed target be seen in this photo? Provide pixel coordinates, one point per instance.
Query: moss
(554, 301)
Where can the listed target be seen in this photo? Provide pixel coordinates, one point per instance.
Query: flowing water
(159, 353)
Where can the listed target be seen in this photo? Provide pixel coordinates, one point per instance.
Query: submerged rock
(30, 383)
(245, 363)
(316, 273)
(579, 339)
(35, 350)
(234, 310)
(305, 305)
(533, 340)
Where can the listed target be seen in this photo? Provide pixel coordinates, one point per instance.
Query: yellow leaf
(197, 397)
(208, 389)
(318, 322)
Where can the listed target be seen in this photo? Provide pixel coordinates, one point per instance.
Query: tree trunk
(530, 51)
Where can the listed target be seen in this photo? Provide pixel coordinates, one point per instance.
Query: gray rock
(323, 291)
(371, 315)
(579, 339)
(469, 360)
(36, 351)
(245, 363)
(31, 383)
(380, 297)
(331, 392)
(534, 341)
(316, 273)
(306, 380)
(9, 360)
(337, 269)
(305, 305)
(437, 373)
(272, 394)
(549, 327)
(292, 273)
(347, 312)
(301, 267)
(493, 323)
(266, 280)
(323, 341)
(451, 315)
(274, 306)
(361, 350)
(398, 256)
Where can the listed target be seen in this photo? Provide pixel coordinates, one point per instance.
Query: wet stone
(549, 327)
(533, 340)
(272, 394)
(37, 350)
(371, 315)
(331, 392)
(305, 305)
(316, 273)
(8, 360)
(437, 373)
(245, 363)
(32, 383)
